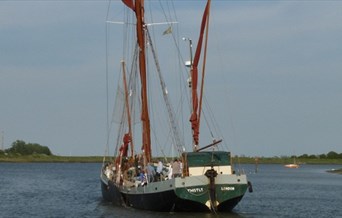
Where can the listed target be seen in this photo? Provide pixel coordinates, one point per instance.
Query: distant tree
(332, 155)
(322, 156)
(23, 148)
(313, 156)
(304, 156)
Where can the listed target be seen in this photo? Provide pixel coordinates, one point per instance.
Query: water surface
(73, 190)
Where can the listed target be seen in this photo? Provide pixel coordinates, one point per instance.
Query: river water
(73, 190)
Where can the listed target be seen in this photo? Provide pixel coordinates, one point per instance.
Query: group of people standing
(160, 172)
(153, 172)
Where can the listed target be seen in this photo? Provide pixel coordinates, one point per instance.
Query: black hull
(111, 193)
(228, 206)
(166, 201)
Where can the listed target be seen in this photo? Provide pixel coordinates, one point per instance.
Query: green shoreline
(50, 159)
(99, 159)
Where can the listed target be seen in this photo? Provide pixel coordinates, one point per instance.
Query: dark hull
(164, 201)
(111, 193)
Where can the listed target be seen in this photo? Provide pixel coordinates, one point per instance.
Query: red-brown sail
(129, 3)
(196, 110)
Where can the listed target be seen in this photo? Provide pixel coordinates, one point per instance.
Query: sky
(280, 90)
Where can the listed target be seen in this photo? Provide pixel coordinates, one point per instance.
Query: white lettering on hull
(195, 190)
(227, 188)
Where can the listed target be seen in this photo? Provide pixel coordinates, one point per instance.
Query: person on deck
(151, 173)
(159, 170)
(169, 175)
(176, 169)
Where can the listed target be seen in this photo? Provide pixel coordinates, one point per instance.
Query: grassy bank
(49, 159)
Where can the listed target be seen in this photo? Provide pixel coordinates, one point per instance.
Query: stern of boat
(197, 192)
(209, 182)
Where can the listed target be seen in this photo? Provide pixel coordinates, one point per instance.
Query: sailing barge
(207, 180)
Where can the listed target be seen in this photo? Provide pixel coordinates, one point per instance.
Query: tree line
(329, 155)
(23, 148)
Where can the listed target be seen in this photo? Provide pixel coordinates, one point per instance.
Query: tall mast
(138, 7)
(127, 108)
(196, 107)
